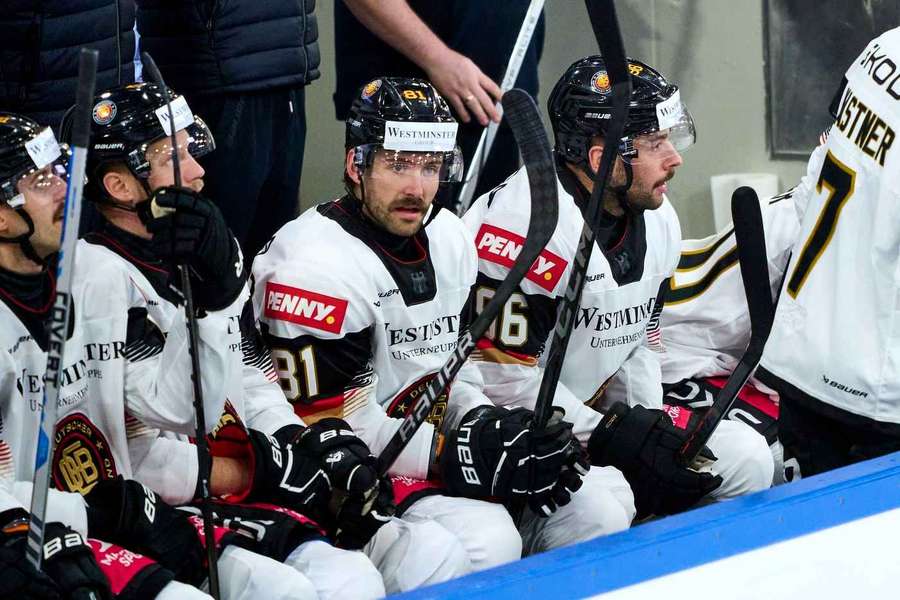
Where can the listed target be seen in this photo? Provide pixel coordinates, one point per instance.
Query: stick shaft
(57, 326)
(486, 141)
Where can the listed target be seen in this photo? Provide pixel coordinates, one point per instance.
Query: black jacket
(39, 45)
(215, 46)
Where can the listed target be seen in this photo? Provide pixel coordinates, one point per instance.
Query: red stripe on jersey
(502, 247)
(325, 404)
(485, 343)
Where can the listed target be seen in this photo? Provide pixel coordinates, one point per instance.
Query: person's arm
(460, 81)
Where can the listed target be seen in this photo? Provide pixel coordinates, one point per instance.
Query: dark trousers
(821, 442)
(254, 173)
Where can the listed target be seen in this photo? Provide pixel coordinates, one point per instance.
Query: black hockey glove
(131, 515)
(69, 561)
(195, 234)
(643, 443)
(286, 475)
(361, 502)
(18, 579)
(494, 454)
(326, 472)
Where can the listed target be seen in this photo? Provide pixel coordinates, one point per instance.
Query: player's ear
(595, 152)
(350, 166)
(5, 219)
(118, 183)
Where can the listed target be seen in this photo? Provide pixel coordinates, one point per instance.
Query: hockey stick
(525, 120)
(203, 458)
(58, 322)
(486, 141)
(606, 29)
(751, 247)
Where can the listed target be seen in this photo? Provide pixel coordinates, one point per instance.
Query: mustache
(665, 179)
(409, 202)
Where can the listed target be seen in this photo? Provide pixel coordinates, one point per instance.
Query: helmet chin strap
(142, 208)
(621, 191)
(24, 240)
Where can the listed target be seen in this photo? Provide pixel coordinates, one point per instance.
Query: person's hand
(470, 92)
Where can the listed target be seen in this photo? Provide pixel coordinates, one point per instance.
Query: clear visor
(194, 140)
(663, 144)
(438, 167)
(38, 182)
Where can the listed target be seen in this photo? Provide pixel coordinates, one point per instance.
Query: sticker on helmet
(370, 89)
(669, 111)
(181, 113)
(415, 95)
(43, 148)
(104, 112)
(419, 137)
(600, 82)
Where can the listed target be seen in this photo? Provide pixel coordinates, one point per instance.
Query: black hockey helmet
(403, 114)
(126, 120)
(30, 159)
(27, 148)
(580, 107)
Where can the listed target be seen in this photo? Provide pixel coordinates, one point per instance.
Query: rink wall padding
(688, 540)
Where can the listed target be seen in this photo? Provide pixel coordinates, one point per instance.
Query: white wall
(713, 49)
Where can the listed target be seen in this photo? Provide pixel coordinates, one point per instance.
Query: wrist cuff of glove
(259, 443)
(619, 436)
(288, 434)
(481, 412)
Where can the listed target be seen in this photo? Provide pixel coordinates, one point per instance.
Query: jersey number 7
(840, 181)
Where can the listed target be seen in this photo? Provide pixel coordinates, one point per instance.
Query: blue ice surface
(687, 540)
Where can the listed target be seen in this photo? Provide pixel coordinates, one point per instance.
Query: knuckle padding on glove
(494, 453)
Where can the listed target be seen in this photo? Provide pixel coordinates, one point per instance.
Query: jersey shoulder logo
(502, 247)
(304, 307)
(81, 455)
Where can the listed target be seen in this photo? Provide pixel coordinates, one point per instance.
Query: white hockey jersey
(705, 322)
(248, 385)
(611, 354)
(259, 404)
(22, 365)
(351, 326)
(836, 337)
(136, 376)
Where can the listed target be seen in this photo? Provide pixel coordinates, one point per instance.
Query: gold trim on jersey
(495, 355)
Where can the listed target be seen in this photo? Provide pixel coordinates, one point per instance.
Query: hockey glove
(194, 233)
(643, 443)
(361, 502)
(286, 475)
(18, 579)
(494, 454)
(131, 515)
